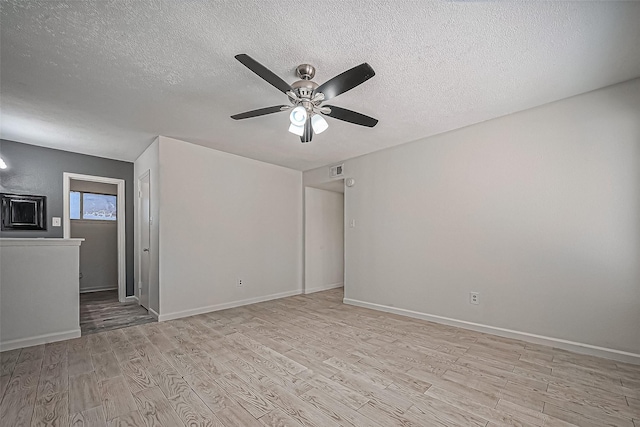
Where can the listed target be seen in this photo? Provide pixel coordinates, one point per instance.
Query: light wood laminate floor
(312, 361)
(101, 311)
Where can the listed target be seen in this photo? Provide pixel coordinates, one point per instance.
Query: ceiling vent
(336, 171)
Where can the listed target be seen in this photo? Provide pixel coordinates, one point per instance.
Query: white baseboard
(323, 288)
(582, 348)
(131, 298)
(86, 291)
(226, 305)
(39, 339)
(154, 313)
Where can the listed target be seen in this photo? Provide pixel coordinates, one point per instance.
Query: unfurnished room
(380, 213)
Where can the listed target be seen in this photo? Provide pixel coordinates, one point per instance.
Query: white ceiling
(105, 77)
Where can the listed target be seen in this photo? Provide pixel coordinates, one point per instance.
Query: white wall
(149, 160)
(39, 300)
(225, 217)
(539, 211)
(324, 240)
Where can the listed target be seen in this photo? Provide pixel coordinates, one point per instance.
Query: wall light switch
(55, 221)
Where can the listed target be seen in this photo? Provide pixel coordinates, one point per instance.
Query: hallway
(101, 311)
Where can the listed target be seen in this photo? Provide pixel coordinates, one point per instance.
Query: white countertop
(29, 241)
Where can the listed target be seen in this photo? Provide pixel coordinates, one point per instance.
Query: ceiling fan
(306, 97)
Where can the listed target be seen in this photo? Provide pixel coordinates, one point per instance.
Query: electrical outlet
(474, 298)
(239, 282)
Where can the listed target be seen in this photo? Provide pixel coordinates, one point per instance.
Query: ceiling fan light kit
(306, 97)
(297, 130)
(319, 124)
(298, 116)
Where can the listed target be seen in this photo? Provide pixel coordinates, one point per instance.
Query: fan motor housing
(304, 88)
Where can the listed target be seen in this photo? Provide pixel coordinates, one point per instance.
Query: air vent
(336, 171)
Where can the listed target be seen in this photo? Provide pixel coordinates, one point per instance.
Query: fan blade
(260, 112)
(308, 131)
(263, 72)
(345, 81)
(351, 116)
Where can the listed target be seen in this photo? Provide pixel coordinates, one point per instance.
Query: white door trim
(138, 286)
(121, 222)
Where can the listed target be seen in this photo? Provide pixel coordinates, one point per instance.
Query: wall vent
(336, 171)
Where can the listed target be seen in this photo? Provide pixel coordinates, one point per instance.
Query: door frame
(146, 173)
(121, 221)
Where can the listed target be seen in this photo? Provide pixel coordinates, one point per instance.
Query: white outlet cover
(55, 221)
(474, 298)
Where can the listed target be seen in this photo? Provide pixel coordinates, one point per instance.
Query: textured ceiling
(105, 77)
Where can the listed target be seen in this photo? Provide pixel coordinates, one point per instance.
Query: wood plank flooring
(101, 312)
(310, 361)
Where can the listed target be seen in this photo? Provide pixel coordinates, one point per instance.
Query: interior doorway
(94, 209)
(120, 220)
(93, 218)
(324, 237)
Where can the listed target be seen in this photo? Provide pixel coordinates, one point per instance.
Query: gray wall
(98, 254)
(37, 170)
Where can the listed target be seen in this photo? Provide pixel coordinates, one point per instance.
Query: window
(92, 206)
(75, 204)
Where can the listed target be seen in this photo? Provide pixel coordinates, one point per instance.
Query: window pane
(98, 206)
(74, 200)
